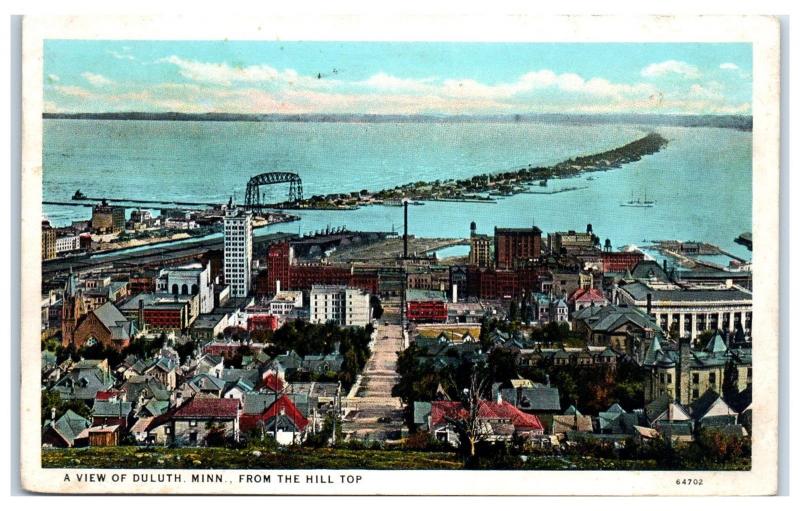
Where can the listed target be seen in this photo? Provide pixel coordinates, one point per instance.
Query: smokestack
(140, 318)
(405, 228)
(277, 286)
(649, 303)
(454, 289)
(684, 370)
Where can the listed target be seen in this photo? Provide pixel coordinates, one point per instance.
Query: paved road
(372, 399)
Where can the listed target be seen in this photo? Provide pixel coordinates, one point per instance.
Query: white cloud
(729, 66)
(668, 67)
(223, 87)
(71, 90)
(96, 79)
(385, 82)
(225, 74)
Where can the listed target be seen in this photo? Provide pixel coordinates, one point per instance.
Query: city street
(372, 412)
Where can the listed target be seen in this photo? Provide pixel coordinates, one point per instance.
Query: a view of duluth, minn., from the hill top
(396, 255)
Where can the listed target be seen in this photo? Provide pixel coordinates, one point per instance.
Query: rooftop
(425, 295)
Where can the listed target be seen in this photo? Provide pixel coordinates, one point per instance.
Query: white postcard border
(762, 32)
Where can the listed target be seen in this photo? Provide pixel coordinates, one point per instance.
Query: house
(586, 297)
(616, 421)
(644, 435)
(209, 364)
(64, 431)
(84, 379)
(498, 421)
(322, 364)
(559, 311)
(148, 395)
(199, 421)
(541, 307)
(621, 327)
(164, 369)
(671, 419)
(203, 385)
(112, 412)
(139, 430)
(571, 420)
(105, 435)
(279, 417)
(530, 397)
(710, 410)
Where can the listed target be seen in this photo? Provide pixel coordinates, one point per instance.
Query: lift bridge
(254, 196)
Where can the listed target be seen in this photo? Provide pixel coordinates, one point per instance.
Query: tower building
(238, 251)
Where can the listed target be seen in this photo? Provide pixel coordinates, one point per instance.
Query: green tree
(730, 381)
(377, 308)
(502, 365)
(52, 400)
(513, 310)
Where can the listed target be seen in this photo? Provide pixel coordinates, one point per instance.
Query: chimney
(454, 289)
(649, 304)
(277, 286)
(683, 378)
(405, 228)
(140, 317)
(664, 264)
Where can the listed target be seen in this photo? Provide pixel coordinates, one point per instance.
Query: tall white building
(238, 251)
(342, 305)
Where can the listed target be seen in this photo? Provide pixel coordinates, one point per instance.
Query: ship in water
(638, 202)
(78, 195)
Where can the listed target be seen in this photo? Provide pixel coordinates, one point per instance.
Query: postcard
(439, 255)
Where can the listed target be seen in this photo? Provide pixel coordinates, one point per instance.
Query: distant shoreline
(739, 122)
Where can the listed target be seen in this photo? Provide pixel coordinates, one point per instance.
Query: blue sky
(400, 78)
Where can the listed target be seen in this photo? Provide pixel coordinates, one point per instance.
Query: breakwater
(477, 187)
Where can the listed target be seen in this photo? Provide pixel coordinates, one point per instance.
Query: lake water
(701, 182)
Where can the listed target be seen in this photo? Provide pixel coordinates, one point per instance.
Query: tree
(730, 381)
(377, 308)
(52, 400)
(502, 365)
(513, 310)
(469, 426)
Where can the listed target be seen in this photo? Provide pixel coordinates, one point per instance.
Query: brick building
(426, 306)
(107, 219)
(493, 284)
(282, 273)
(513, 246)
(620, 261)
(48, 241)
(105, 325)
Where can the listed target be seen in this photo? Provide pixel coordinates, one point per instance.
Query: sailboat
(639, 202)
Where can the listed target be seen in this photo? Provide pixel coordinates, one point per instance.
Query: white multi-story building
(191, 279)
(285, 302)
(238, 253)
(339, 304)
(67, 242)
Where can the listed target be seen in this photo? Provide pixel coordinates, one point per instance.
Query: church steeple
(73, 308)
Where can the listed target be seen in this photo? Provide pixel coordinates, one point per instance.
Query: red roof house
(272, 382)
(500, 420)
(208, 409)
(281, 415)
(582, 298)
